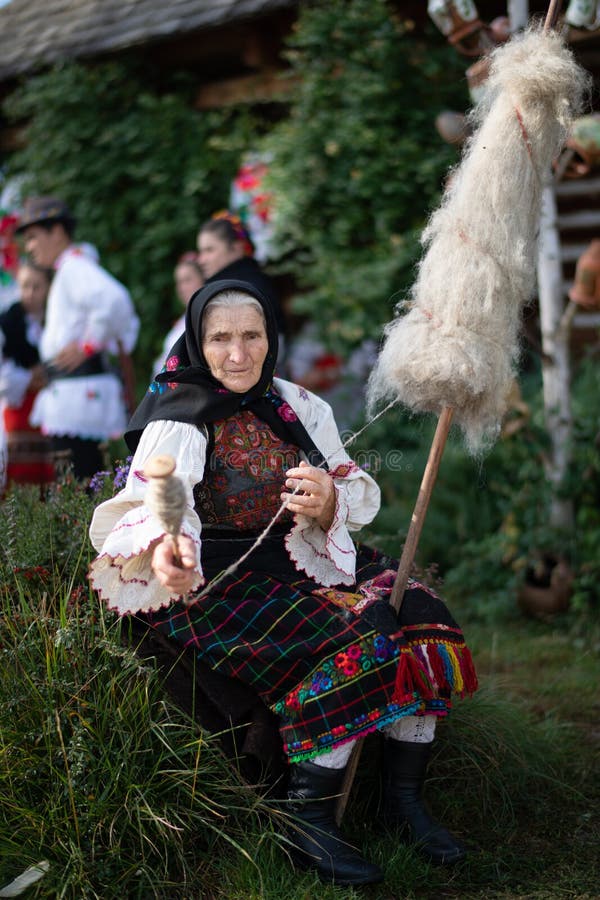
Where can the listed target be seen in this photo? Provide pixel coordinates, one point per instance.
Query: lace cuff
(122, 573)
(327, 556)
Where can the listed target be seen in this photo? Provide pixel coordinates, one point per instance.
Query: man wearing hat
(88, 313)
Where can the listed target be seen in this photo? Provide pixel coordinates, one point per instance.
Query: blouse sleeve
(109, 314)
(330, 556)
(125, 532)
(14, 381)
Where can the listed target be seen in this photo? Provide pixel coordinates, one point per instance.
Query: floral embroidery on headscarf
(171, 365)
(241, 232)
(286, 412)
(282, 407)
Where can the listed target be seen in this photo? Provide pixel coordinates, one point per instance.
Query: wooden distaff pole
(424, 496)
(418, 516)
(554, 8)
(404, 567)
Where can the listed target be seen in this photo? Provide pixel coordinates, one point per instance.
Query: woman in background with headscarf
(188, 279)
(21, 377)
(225, 250)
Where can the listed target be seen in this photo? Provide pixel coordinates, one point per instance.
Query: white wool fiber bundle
(457, 343)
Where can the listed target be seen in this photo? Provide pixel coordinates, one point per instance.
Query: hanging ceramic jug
(459, 21)
(581, 153)
(586, 289)
(581, 13)
(452, 127)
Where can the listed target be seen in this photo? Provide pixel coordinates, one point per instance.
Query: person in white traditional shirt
(89, 314)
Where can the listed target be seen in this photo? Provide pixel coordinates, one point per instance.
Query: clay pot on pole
(586, 289)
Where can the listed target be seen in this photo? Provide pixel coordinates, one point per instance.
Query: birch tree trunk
(556, 368)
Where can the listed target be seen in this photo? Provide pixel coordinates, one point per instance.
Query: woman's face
(235, 346)
(214, 253)
(188, 280)
(33, 288)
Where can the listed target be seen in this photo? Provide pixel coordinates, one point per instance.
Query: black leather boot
(318, 842)
(405, 766)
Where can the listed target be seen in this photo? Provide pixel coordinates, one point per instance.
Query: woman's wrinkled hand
(178, 579)
(315, 497)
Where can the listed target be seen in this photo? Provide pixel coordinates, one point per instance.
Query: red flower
(286, 413)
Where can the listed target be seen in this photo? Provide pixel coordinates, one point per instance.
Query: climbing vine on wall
(358, 163)
(139, 165)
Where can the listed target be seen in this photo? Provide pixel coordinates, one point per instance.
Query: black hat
(45, 209)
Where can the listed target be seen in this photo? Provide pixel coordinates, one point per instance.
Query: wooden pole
(555, 327)
(421, 505)
(554, 8)
(406, 561)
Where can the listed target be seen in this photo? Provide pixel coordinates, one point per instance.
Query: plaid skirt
(332, 664)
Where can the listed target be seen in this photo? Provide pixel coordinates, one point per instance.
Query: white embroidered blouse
(124, 531)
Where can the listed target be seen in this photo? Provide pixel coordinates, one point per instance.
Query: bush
(358, 162)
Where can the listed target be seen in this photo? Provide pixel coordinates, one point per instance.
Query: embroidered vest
(244, 476)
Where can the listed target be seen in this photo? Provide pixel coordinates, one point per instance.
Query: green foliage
(488, 523)
(103, 777)
(397, 447)
(139, 166)
(43, 541)
(495, 563)
(122, 795)
(358, 162)
(583, 484)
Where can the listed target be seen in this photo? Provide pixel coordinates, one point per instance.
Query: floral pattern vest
(244, 476)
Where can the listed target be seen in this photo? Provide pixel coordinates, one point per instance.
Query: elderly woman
(304, 620)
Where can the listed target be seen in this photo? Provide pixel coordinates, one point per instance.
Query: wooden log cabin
(234, 50)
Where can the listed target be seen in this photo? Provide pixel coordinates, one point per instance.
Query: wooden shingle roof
(34, 33)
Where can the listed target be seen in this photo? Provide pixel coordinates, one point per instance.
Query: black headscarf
(13, 324)
(247, 269)
(186, 391)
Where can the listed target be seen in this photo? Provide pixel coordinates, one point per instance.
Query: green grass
(105, 779)
(98, 774)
